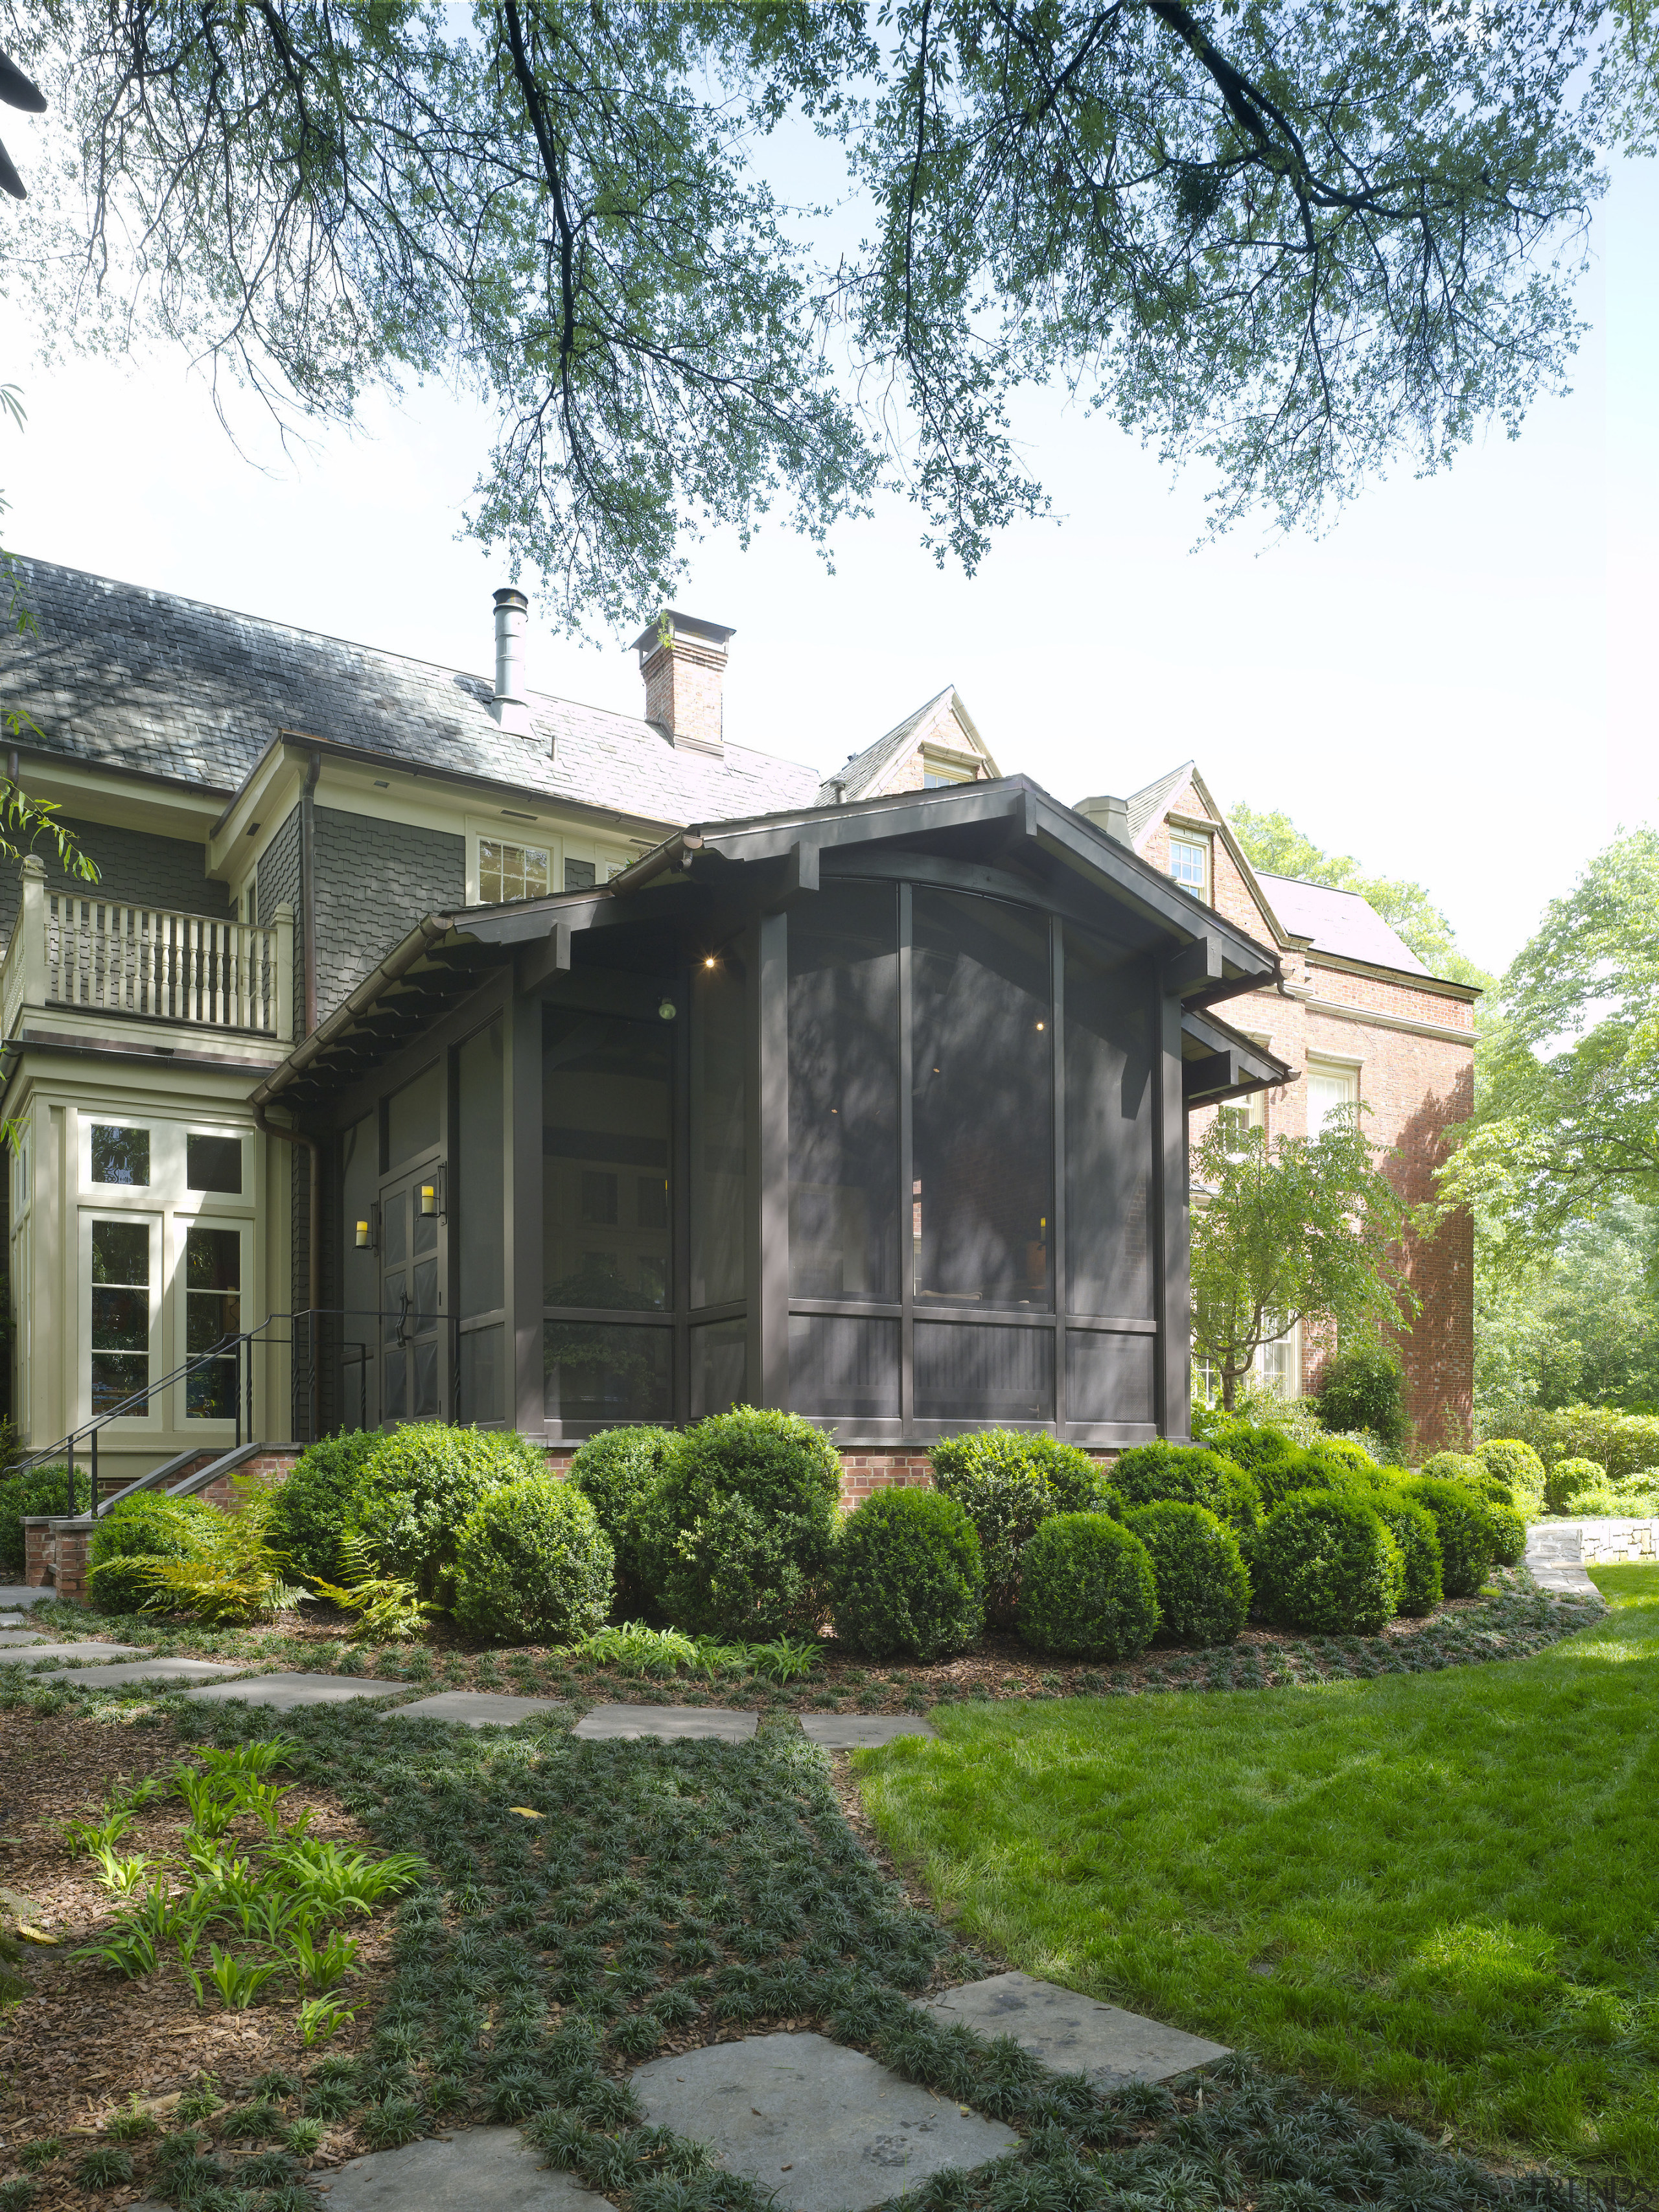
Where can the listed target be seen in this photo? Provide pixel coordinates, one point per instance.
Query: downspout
(308, 885)
(313, 1235)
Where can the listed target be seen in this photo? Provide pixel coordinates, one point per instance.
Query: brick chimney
(683, 661)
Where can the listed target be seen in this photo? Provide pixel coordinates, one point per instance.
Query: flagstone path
(476, 1708)
(284, 1692)
(1555, 1559)
(1074, 2034)
(669, 1723)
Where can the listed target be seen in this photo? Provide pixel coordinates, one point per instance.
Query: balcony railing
(78, 949)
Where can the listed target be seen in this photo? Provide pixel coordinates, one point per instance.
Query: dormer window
(511, 872)
(1189, 864)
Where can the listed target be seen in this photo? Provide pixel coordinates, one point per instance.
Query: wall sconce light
(362, 1236)
(367, 1236)
(708, 960)
(428, 1200)
(668, 1010)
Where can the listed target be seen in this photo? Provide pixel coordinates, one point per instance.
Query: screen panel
(843, 1367)
(1110, 1045)
(719, 1137)
(844, 1094)
(1110, 1378)
(480, 1155)
(607, 1095)
(977, 1371)
(982, 1082)
(720, 1367)
(597, 1371)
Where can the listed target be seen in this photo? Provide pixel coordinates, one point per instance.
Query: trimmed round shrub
(1467, 1537)
(1567, 1479)
(1342, 1452)
(318, 1504)
(1365, 1389)
(1509, 1535)
(909, 1581)
(1277, 1463)
(752, 1497)
(41, 1490)
(532, 1565)
(1472, 1471)
(620, 1473)
(1418, 1542)
(148, 1526)
(1325, 1562)
(1009, 1482)
(1516, 1464)
(1087, 1589)
(418, 1485)
(1203, 1584)
(1189, 1474)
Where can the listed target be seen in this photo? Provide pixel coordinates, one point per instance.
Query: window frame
(1330, 1066)
(1195, 841)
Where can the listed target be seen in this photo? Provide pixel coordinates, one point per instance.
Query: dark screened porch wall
(955, 1212)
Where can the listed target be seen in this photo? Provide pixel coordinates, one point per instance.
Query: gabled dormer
(938, 745)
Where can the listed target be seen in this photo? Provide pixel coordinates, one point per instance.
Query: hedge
(149, 1525)
(1624, 1443)
(1417, 1540)
(1325, 1562)
(1203, 1585)
(1148, 1474)
(620, 1473)
(1468, 1540)
(41, 1490)
(1365, 1389)
(909, 1581)
(317, 1505)
(1518, 1465)
(1003, 1479)
(532, 1565)
(751, 1497)
(1088, 1589)
(420, 1483)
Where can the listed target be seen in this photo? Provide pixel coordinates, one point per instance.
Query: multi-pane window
(213, 1307)
(1240, 1116)
(512, 872)
(1329, 1090)
(1189, 864)
(121, 1264)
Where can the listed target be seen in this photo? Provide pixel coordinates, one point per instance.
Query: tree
(1297, 242)
(1567, 1078)
(1579, 1327)
(1272, 843)
(1304, 1229)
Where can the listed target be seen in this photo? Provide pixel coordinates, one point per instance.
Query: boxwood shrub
(1203, 1585)
(1516, 1464)
(1472, 1471)
(1189, 1474)
(752, 1497)
(1277, 1464)
(1509, 1535)
(1418, 1542)
(149, 1525)
(909, 1581)
(1568, 1479)
(317, 1505)
(1008, 1483)
(1341, 1453)
(420, 1483)
(532, 1565)
(1324, 1561)
(1467, 1542)
(620, 1473)
(1087, 1589)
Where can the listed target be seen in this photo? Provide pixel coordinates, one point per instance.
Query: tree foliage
(1302, 1230)
(1297, 241)
(1272, 843)
(1567, 1090)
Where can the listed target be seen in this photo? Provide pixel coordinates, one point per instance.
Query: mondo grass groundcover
(1438, 1895)
(590, 1906)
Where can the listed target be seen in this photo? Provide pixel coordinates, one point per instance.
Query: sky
(1455, 685)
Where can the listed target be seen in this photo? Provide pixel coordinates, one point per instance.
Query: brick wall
(56, 1551)
(864, 1469)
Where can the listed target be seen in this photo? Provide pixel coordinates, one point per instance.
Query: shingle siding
(375, 881)
(134, 868)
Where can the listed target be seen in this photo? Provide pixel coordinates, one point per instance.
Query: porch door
(414, 1320)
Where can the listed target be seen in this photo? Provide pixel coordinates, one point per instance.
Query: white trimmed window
(1330, 1087)
(1190, 863)
(507, 871)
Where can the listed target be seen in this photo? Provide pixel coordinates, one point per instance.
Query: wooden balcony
(77, 951)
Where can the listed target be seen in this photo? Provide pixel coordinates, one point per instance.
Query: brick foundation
(864, 1469)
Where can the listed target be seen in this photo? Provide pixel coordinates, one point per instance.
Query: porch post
(768, 1148)
(523, 1224)
(32, 930)
(1174, 1315)
(281, 923)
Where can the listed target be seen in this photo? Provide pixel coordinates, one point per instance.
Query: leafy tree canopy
(1304, 1229)
(1298, 240)
(1272, 843)
(1567, 1081)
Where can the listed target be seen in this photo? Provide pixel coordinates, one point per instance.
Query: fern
(390, 1608)
(237, 1575)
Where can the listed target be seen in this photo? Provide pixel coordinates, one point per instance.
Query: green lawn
(1440, 1892)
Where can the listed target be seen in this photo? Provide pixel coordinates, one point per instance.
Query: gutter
(398, 963)
(308, 884)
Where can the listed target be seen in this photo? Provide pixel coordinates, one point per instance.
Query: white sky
(1453, 685)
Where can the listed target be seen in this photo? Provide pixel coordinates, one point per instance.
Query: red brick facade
(1409, 1040)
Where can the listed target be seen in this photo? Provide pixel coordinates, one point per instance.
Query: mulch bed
(82, 2040)
(1511, 1621)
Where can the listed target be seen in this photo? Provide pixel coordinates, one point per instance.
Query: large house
(431, 1048)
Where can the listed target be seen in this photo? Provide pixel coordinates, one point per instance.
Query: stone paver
(284, 1692)
(36, 1648)
(136, 1670)
(476, 1708)
(861, 1731)
(15, 1596)
(673, 1723)
(825, 2127)
(1074, 2034)
(481, 2170)
(1555, 1559)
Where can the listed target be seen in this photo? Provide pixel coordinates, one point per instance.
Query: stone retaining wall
(1618, 1543)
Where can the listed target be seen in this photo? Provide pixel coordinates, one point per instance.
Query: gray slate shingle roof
(1339, 922)
(145, 680)
(1146, 804)
(862, 774)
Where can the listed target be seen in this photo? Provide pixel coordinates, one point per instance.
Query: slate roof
(1145, 806)
(1339, 922)
(128, 678)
